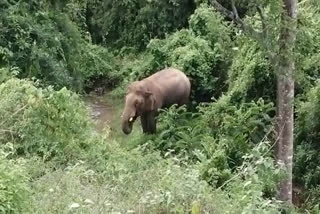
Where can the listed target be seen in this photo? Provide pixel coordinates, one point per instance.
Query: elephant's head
(139, 99)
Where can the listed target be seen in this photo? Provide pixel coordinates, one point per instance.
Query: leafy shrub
(308, 40)
(138, 66)
(312, 203)
(215, 135)
(134, 23)
(97, 68)
(210, 25)
(91, 63)
(77, 10)
(14, 189)
(254, 183)
(7, 73)
(306, 167)
(214, 161)
(44, 43)
(250, 76)
(145, 182)
(228, 140)
(43, 122)
(226, 122)
(180, 133)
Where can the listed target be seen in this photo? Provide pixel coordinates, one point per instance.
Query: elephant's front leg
(152, 124)
(148, 123)
(144, 122)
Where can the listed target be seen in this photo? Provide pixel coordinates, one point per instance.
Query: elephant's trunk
(126, 127)
(127, 121)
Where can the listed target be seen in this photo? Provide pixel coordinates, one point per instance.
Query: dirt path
(101, 111)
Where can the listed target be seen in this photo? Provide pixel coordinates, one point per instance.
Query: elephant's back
(172, 84)
(169, 71)
(169, 74)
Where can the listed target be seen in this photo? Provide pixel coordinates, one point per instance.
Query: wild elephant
(145, 97)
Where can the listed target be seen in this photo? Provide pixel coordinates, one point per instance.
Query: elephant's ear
(150, 100)
(147, 94)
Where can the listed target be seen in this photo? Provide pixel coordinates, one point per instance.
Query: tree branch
(234, 9)
(261, 37)
(266, 36)
(263, 21)
(235, 17)
(222, 10)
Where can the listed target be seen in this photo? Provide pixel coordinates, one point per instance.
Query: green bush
(306, 170)
(14, 189)
(250, 76)
(226, 122)
(136, 181)
(228, 139)
(308, 45)
(179, 133)
(50, 124)
(306, 167)
(210, 25)
(134, 23)
(8, 73)
(98, 68)
(254, 183)
(215, 135)
(312, 204)
(45, 43)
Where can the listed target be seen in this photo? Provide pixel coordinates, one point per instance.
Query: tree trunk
(285, 96)
(285, 67)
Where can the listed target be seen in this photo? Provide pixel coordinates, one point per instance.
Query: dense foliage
(14, 191)
(50, 47)
(133, 23)
(215, 157)
(42, 122)
(216, 136)
(307, 146)
(73, 158)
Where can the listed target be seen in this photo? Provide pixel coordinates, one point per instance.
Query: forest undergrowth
(213, 156)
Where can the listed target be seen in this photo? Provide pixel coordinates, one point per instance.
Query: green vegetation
(45, 122)
(214, 156)
(143, 20)
(43, 42)
(14, 190)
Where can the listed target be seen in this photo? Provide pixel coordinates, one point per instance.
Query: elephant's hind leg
(184, 101)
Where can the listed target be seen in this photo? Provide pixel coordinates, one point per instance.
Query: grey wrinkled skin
(145, 97)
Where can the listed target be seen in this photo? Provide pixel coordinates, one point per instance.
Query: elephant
(144, 98)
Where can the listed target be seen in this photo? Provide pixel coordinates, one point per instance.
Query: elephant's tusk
(130, 119)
